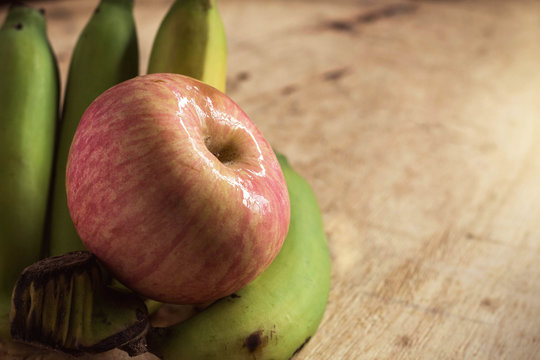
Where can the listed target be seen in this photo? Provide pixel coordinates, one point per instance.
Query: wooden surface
(418, 125)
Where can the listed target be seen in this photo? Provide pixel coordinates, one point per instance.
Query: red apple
(175, 190)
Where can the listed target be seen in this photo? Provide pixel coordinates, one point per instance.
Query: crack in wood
(350, 24)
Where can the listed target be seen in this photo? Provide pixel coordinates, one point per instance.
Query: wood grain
(418, 125)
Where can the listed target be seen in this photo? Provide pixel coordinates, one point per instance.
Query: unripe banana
(191, 41)
(29, 92)
(106, 54)
(275, 315)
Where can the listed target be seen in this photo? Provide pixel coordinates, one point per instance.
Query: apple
(176, 191)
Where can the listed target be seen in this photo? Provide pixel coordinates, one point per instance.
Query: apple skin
(175, 190)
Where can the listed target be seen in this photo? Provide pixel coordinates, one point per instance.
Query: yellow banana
(191, 41)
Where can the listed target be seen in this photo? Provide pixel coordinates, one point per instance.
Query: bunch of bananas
(73, 306)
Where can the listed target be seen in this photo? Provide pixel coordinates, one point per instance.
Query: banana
(275, 315)
(29, 102)
(191, 41)
(106, 54)
(271, 318)
(63, 303)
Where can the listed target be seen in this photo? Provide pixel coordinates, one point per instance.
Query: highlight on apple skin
(172, 186)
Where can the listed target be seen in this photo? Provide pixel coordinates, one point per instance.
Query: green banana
(29, 102)
(191, 41)
(276, 314)
(106, 54)
(63, 303)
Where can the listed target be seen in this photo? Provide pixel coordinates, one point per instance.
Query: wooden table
(418, 125)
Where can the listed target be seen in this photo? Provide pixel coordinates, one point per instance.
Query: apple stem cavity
(226, 153)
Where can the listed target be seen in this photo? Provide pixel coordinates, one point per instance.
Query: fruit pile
(144, 191)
